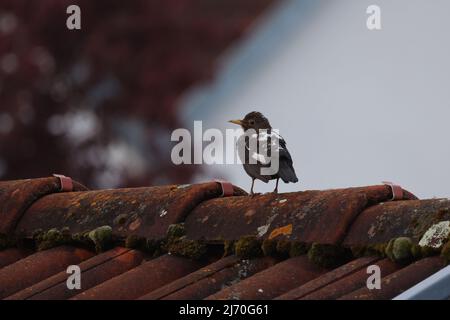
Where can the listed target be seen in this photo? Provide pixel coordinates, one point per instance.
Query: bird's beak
(238, 122)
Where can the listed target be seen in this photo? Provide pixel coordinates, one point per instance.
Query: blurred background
(100, 104)
(356, 107)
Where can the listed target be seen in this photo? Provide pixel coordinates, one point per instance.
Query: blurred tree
(99, 104)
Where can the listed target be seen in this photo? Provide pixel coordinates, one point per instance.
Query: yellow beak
(238, 122)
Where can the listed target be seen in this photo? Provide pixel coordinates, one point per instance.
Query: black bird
(265, 134)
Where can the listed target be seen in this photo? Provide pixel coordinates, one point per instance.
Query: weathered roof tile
(145, 212)
(308, 216)
(141, 280)
(272, 282)
(37, 267)
(385, 221)
(16, 196)
(210, 279)
(94, 271)
(397, 282)
(325, 224)
(328, 278)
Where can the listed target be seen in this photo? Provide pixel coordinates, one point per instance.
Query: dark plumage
(264, 132)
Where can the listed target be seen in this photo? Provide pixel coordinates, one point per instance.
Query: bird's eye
(252, 122)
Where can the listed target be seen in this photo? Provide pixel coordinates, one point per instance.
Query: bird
(256, 126)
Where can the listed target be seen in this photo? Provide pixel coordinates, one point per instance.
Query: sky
(355, 106)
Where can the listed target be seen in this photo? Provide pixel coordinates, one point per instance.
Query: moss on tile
(101, 236)
(269, 247)
(248, 247)
(228, 247)
(328, 255)
(51, 238)
(401, 249)
(298, 248)
(283, 248)
(192, 249)
(176, 231)
(135, 242)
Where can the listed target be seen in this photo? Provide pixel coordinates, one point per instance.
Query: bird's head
(253, 120)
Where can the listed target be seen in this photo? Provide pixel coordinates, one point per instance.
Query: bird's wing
(286, 170)
(265, 142)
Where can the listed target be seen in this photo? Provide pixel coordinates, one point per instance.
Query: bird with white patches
(257, 148)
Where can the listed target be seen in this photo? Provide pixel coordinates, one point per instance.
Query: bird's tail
(287, 173)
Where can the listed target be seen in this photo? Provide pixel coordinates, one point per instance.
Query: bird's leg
(251, 189)
(276, 186)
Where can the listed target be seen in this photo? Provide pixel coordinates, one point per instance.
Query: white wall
(355, 106)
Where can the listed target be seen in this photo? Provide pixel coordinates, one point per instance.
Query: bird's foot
(275, 190)
(253, 194)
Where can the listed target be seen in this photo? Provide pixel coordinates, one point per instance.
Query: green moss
(269, 247)
(50, 239)
(378, 249)
(79, 237)
(416, 252)
(388, 249)
(328, 255)
(358, 251)
(298, 248)
(400, 249)
(187, 248)
(445, 252)
(153, 247)
(228, 247)
(101, 236)
(36, 233)
(66, 232)
(176, 231)
(248, 247)
(283, 248)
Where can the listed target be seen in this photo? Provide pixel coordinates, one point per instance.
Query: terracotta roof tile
(37, 267)
(143, 279)
(189, 242)
(140, 211)
(16, 196)
(328, 278)
(273, 281)
(385, 221)
(350, 283)
(95, 270)
(310, 216)
(210, 279)
(397, 282)
(12, 255)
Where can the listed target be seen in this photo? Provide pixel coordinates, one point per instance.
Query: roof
(198, 242)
